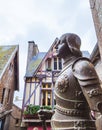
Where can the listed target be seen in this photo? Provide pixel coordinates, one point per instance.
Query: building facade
(96, 8)
(41, 73)
(15, 118)
(9, 81)
(96, 56)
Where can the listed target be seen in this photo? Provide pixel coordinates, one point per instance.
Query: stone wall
(15, 118)
(96, 8)
(7, 85)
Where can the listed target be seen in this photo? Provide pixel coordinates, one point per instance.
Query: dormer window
(49, 63)
(60, 63)
(57, 63)
(48, 66)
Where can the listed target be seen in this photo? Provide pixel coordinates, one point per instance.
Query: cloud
(43, 21)
(58, 16)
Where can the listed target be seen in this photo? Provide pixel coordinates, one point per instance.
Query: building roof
(6, 55)
(37, 60)
(34, 63)
(86, 54)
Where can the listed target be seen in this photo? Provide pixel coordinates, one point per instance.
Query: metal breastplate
(69, 96)
(71, 105)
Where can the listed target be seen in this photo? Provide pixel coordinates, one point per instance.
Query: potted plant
(45, 112)
(48, 69)
(31, 112)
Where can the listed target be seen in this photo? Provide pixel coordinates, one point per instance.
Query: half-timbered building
(41, 74)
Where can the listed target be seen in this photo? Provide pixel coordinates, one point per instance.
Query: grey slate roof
(86, 54)
(34, 63)
(36, 60)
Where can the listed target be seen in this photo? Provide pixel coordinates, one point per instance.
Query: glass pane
(55, 63)
(60, 63)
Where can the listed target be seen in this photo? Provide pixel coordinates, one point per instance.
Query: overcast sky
(42, 21)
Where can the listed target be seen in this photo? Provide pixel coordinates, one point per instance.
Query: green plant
(48, 69)
(31, 109)
(47, 107)
(26, 112)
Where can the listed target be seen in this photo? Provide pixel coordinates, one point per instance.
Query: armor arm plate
(88, 79)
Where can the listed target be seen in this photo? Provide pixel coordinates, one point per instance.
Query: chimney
(32, 51)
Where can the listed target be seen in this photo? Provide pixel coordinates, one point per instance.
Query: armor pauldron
(94, 92)
(87, 77)
(84, 71)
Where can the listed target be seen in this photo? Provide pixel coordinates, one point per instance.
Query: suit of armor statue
(77, 89)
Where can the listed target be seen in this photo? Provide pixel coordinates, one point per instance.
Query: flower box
(31, 116)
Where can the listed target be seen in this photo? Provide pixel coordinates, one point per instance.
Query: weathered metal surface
(77, 88)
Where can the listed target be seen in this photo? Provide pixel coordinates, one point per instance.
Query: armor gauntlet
(88, 79)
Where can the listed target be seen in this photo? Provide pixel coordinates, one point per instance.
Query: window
(55, 63)
(43, 97)
(2, 122)
(8, 95)
(46, 95)
(60, 63)
(49, 98)
(17, 122)
(3, 95)
(49, 63)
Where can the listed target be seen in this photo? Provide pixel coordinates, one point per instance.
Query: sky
(42, 21)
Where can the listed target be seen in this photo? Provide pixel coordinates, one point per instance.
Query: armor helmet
(73, 41)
